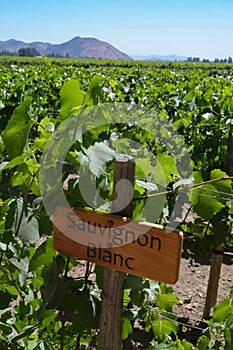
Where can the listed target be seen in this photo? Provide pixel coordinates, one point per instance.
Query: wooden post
(112, 293)
(212, 289)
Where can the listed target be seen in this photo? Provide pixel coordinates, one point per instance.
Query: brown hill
(76, 47)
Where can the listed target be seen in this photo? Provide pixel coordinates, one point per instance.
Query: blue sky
(202, 28)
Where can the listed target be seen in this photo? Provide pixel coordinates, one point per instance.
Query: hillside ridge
(76, 47)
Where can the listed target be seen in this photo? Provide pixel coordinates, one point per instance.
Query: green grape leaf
(49, 317)
(71, 97)
(228, 333)
(112, 83)
(203, 342)
(45, 127)
(94, 89)
(166, 301)
(52, 282)
(126, 328)
(126, 298)
(58, 294)
(14, 162)
(15, 136)
(98, 155)
(190, 95)
(84, 306)
(222, 310)
(162, 327)
(209, 199)
(168, 165)
(143, 167)
(149, 186)
(133, 282)
(28, 330)
(22, 265)
(26, 227)
(186, 345)
(183, 122)
(183, 182)
(163, 346)
(43, 255)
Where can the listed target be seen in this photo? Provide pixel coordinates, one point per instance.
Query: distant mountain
(76, 47)
(160, 58)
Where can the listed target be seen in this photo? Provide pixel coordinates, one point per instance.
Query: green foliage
(220, 331)
(25, 225)
(97, 156)
(15, 135)
(209, 199)
(71, 98)
(41, 305)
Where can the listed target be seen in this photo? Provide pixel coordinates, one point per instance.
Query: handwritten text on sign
(140, 248)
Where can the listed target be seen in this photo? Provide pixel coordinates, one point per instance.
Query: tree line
(29, 52)
(216, 60)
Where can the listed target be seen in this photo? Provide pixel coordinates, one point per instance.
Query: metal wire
(191, 319)
(215, 191)
(183, 324)
(209, 196)
(228, 198)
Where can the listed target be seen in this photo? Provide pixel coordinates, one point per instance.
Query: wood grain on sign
(119, 243)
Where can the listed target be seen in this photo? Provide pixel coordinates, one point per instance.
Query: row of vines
(43, 305)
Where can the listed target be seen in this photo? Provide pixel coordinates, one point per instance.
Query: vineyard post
(112, 292)
(217, 256)
(212, 289)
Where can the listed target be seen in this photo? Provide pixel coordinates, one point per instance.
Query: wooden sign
(139, 248)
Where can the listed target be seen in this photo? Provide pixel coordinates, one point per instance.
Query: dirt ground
(191, 290)
(192, 284)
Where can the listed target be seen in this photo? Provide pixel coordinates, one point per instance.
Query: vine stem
(186, 215)
(78, 342)
(20, 221)
(87, 273)
(62, 331)
(42, 127)
(67, 266)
